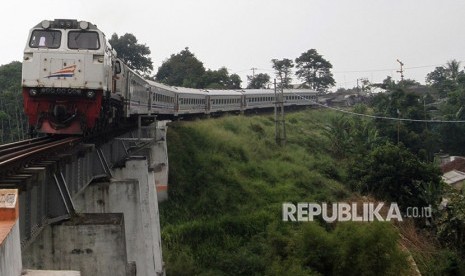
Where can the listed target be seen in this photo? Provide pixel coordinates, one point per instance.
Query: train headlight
(45, 24)
(83, 25)
(33, 92)
(90, 94)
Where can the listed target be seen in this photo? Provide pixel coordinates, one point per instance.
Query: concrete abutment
(116, 228)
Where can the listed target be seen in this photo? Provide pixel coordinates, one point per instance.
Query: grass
(228, 180)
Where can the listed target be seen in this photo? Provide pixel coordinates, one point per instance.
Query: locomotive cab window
(83, 40)
(45, 38)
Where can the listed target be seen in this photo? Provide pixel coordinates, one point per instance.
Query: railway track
(16, 155)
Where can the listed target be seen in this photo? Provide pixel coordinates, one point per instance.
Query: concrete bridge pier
(114, 228)
(131, 192)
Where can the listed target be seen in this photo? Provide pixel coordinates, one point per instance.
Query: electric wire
(376, 116)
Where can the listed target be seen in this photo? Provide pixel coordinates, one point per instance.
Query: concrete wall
(159, 161)
(132, 193)
(10, 245)
(93, 244)
(137, 168)
(10, 253)
(119, 197)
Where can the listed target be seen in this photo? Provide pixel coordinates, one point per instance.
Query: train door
(149, 102)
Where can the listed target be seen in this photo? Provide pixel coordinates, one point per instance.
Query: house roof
(453, 177)
(458, 163)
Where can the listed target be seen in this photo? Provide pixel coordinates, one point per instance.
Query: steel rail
(23, 142)
(27, 144)
(24, 154)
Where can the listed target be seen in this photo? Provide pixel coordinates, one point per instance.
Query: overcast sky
(362, 39)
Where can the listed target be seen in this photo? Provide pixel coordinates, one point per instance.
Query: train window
(83, 40)
(45, 38)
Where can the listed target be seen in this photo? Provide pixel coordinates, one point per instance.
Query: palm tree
(453, 69)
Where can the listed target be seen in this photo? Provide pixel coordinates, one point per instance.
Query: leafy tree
(446, 79)
(283, 69)
(185, 70)
(391, 172)
(399, 103)
(135, 55)
(387, 84)
(369, 249)
(314, 70)
(10, 76)
(235, 81)
(352, 136)
(451, 221)
(453, 69)
(339, 132)
(258, 81)
(182, 69)
(12, 118)
(407, 83)
(220, 79)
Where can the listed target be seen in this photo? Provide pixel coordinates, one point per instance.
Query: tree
(220, 79)
(283, 71)
(133, 54)
(314, 70)
(451, 221)
(12, 117)
(235, 81)
(392, 173)
(182, 69)
(446, 79)
(453, 69)
(258, 81)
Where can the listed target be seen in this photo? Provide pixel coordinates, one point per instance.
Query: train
(74, 83)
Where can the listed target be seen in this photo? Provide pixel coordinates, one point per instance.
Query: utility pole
(401, 71)
(253, 71)
(280, 123)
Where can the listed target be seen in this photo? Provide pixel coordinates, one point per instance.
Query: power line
(389, 69)
(377, 117)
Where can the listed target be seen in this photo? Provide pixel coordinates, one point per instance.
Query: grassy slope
(228, 181)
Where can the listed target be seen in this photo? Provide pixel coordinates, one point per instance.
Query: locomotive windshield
(45, 38)
(83, 40)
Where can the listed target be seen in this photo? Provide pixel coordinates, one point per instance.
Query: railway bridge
(75, 206)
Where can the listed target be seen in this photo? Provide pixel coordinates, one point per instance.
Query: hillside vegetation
(228, 181)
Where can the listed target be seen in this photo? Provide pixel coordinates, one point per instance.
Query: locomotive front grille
(51, 91)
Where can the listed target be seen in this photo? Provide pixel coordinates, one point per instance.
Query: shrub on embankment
(228, 180)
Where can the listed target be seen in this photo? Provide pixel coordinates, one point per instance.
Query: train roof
(66, 24)
(301, 90)
(222, 92)
(257, 91)
(228, 92)
(177, 89)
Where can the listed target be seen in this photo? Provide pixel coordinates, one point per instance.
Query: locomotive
(74, 83)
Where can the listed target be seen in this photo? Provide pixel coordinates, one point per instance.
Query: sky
(360, 38)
